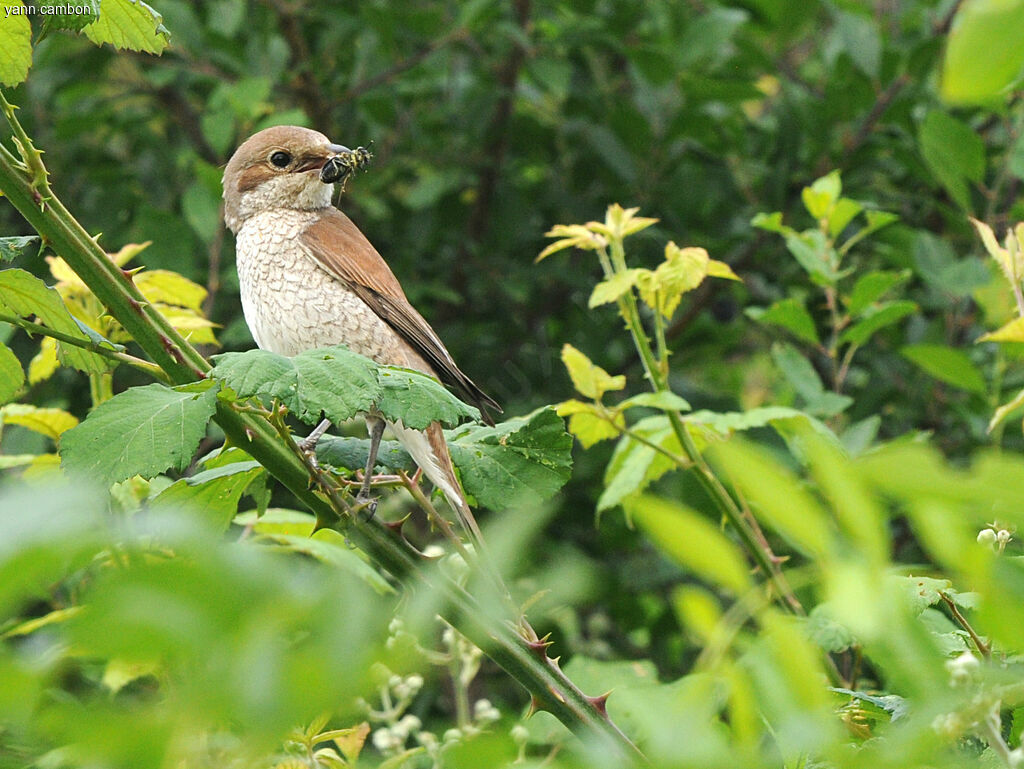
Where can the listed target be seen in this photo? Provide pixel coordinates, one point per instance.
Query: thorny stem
(435, 517)
(87, 344)
(983, 647)
(507, 643)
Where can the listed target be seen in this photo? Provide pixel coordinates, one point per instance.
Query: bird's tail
(429, 450)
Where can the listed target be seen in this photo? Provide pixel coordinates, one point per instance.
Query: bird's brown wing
(344, 253)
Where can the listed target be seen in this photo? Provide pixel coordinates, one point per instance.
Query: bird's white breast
(290, 303)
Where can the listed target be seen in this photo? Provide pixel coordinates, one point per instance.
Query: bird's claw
(366, 507)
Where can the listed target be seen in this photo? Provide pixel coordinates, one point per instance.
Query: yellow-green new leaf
(691, 540)
(12, 376)
(1011, 262)
(1005, 410)
(571, 236)
(617, 285)
(683, 270)
(588, 424)
(1011, 332)
(717, 269)
(15, 44)
(46, 421)
(170, 288)
(45, 362)
(620, 222)
(589, 380)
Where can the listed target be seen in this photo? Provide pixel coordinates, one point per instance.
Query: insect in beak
(339, 167)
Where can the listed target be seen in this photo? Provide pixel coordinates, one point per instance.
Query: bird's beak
(334, 167)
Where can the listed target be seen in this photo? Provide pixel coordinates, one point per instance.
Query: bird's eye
(280, 159)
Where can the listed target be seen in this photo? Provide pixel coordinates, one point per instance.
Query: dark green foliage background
(492, 121)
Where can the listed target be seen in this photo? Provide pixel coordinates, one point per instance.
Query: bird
(309, 278)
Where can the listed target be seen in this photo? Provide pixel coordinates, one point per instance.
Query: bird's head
(278, 167)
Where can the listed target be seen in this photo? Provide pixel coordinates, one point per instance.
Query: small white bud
(410, 723)
(385, 740)
(519, 733)
(452, 735)
(986, 537)
(485, 712)
(414, 682)
(963, 668)
(427, 739)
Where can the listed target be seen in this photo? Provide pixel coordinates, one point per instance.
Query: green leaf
(861, 40)
(728, 422)
(129, 24)
(73, 22)
(824, 630)
(772, 223)
(352, 453)
(877, 318)
(844, 212)
(776, 495)
(947, 365)
(142, 431)
(201, 207)
(418, 399)
(15, 43)
(12, 375)
(872, 286)
(523, 460)
(813, 253)
(635, 465)
(214, 494)
(984, 55)
(590, 381)
(11, 248)
(26, 295)
(791, 315)
(334, 380)
(893, 704)
(954, 153)
(326, 546)
(922, 592)
(664, 400)
(855, 508)
(805, 380)
(610, 290)
(691, 540)
(947, 271)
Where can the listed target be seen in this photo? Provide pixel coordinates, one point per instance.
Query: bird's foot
(366, 506)
(308, 448)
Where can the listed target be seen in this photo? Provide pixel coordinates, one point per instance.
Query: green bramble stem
(24, 182)
(656, 372)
